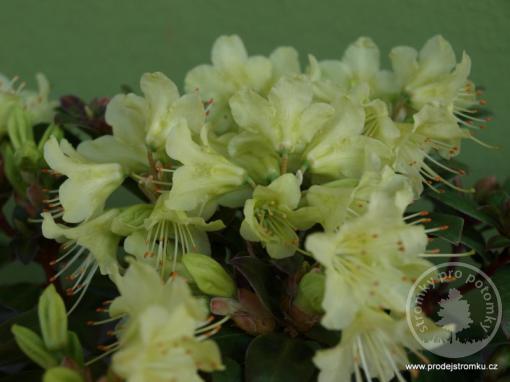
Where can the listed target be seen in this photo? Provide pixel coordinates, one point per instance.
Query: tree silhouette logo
(454, 309)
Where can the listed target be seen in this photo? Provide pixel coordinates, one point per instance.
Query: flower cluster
(322, 162)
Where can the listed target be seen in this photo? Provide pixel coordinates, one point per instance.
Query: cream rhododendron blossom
(88, 184)
(432, 76)
(161, 337)
(375, 345)
(340, 150)
(204, 174)
(363, 259)
(171, 233)
(288, 199)
(37, 104)
(359, 65)
(272, 216)
(127, 114)
(231, 70)
(433, 131)
(87, 247)
(288, 119)
(341, 200)
(137, 120)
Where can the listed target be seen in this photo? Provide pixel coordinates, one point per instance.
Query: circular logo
(453, 309)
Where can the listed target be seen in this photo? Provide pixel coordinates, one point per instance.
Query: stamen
(363, 359)
(105, 321)
(88, 363)
(441, 228)
(420, 213)
(83, 288)
(482, 143)
(435, 254)
(212, 326)
(75, 257)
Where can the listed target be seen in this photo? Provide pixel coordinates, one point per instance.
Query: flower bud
(253, 317)
(74, 348)
(51, 130)
(62, 374)
(222, 306)
(209, 275)
(311, 292)
(53, 319)
(19, 128)
(32, 345)
(11, 169)
(131, 219)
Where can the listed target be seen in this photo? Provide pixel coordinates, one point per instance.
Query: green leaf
(455, 226)
(9, 351)
(232, 372)
(502, 281)
(276, 357)
(32, 345)
(324, 336)
(26, 296)
(232, 342)
(463, 204)
(262, 279)
(498, 242)
(289, 265)
(473, 239)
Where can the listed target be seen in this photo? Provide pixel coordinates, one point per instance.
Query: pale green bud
(74, 348)
(209, 275)
(32, 345)
(51, 130)
(19, 128)
(62, 374)
(311, 292)
(131, 219)
(53, 319)
(11, 169)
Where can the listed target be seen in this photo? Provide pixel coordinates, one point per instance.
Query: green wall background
(92, 47)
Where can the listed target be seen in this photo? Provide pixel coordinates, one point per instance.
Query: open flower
(87, 247)
(363, 260)
(341, 200)
(359, 65)
(165, 235)
(433, 77)
(204, 175)
(272, 217)
(127, 114)
(374, 345)
(378, 124)
(288, 119)
(88, 184)
(434, 131)
(285, 62)
(231, 70)
(164, 106)
(339, 149)
(142, 123)
(348, 157)
(161, 337)
(37, 105)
